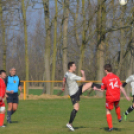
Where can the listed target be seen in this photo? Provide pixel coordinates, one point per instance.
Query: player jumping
(2, 95)
(130, 79)
(112, 84)
(74, 90)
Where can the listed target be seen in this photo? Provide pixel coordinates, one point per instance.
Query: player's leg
(129, 110)
(15, 106)
(15, 102)
(109, 107)
(2, 115)
(73, 113)
(109, 119)
(86, 86)
(75, 100)
(72, 116)
(118, 111)
(9, 112)
(10, 106)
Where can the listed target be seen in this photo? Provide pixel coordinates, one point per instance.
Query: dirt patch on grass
(43, 96)
(46, 96)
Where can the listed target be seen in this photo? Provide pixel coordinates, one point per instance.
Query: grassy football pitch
(51, 116)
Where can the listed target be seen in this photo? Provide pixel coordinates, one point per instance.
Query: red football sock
(2, 116)
(109, 120)
(118, 113)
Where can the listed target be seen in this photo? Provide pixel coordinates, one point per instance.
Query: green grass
(55, 92)
(51, 116)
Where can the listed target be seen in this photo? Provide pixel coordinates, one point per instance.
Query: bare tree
(65, 36)
(54, 47)
(3, 36)
(47, 45)
(26, 41)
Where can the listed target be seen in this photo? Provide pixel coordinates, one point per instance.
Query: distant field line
(62, 81)
(41, 87)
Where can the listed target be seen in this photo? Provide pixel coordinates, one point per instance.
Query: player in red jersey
(2, 95)
(112, 84)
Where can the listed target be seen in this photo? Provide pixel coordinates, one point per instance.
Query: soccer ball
(123, 2)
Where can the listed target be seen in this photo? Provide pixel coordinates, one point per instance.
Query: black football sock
(130, 109)
(72, 116)
(9, 113)
(13, 112)
(96, 85)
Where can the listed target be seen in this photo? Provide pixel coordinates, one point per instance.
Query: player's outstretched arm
(63, 84)
(83, 76)
(97, 87)
(124, 93)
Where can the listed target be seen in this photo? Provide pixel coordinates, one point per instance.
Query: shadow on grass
(80, 127)
(15, 122)
(115, 129)
(131, 121)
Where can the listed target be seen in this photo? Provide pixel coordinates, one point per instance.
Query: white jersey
(72, 85)
(130, 80)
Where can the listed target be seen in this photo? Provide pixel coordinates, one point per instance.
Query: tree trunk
(75, 23)
(47, 45)
(83, 46)
(26, 43)
(122, 44)
(130, 57)
(100, 59)
(65, 37)
(54, 47)
(3, 36)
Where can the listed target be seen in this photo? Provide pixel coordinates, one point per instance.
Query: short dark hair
(108, 67)
(70, 64)
(2, 71)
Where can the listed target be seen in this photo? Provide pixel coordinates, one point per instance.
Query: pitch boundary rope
(24, 84)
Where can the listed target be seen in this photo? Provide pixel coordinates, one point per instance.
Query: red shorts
(110, 104)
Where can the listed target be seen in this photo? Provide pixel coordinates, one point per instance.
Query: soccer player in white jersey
(74, 90)
(130, 80)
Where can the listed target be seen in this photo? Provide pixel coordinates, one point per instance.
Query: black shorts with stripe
(76, 97)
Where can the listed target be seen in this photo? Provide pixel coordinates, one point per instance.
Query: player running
(2, 95)
(130, 80)
(112, 84)
(74, 90)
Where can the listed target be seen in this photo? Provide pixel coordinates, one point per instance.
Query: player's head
(71, 66)
(108, 68)
(12, 71)
(3, 74)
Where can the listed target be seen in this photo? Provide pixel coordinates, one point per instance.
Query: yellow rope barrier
(24, 84)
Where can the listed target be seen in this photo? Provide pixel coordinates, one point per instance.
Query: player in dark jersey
(112, 84)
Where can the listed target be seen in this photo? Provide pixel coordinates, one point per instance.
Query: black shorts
(12, 98)
(76, 97)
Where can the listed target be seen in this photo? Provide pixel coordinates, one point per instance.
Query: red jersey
(112, 84)
(2, 90)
